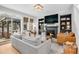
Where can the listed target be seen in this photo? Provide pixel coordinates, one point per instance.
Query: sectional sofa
(28, 45)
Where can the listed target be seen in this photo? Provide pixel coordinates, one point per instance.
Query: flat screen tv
(51, 19)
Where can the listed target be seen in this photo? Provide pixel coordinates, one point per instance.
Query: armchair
(60, 38)
(71, 37)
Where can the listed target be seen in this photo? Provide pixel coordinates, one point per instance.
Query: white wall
(75, 23)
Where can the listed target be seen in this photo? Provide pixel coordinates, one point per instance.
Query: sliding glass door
(4, 29)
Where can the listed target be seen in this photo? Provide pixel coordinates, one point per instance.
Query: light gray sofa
(27, 46)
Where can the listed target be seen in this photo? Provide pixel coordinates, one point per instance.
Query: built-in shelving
(28, 23)
(41, 25)
(65, 23)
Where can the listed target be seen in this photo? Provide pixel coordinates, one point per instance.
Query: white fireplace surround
(51, 25)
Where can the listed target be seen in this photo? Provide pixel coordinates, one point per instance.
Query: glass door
(5, 29)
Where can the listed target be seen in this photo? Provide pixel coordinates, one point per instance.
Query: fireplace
(52, 30)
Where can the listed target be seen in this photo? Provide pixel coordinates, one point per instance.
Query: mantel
(49, 25)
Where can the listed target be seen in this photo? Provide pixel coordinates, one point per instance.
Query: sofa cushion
(34, 41)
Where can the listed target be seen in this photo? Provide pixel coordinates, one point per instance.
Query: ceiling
(48, 8)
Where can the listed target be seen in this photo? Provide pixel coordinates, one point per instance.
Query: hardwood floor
(8, 49)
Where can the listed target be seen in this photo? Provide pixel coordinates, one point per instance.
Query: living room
(40, 28)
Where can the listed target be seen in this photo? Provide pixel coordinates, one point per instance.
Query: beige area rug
(4, 41)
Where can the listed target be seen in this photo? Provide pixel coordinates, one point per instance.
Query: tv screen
(51, 19)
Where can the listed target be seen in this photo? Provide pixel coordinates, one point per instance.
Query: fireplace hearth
(52, 30)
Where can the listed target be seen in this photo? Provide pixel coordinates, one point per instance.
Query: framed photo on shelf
(68, 23)
(68, 27)
(68, 18)
(62, 27)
